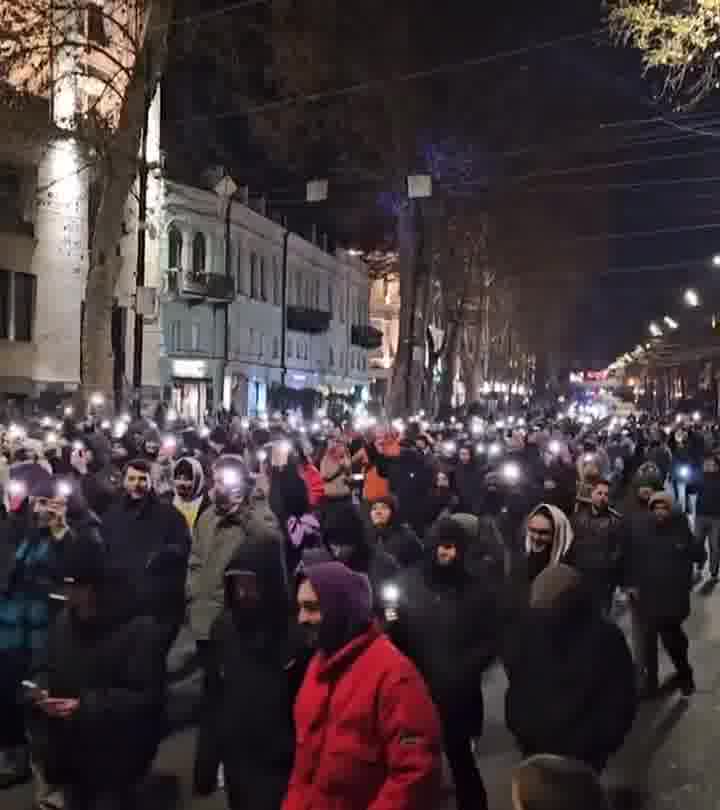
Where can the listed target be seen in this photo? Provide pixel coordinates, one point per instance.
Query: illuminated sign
(192, 369)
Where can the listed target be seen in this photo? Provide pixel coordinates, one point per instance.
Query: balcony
(366, 337)
(211, 287)
(311, 321)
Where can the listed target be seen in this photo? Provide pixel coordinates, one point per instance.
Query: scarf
(562, 533)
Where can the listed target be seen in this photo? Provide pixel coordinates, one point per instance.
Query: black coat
(410, 476)
(117, 671)
(658, 562)
(149, 544)
(597, 550)
(708, 504)
(400, 542)
(468, 483)
(450, 627)
(253, 676)
(571, 682)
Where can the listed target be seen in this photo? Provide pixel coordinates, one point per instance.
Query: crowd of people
(347, 588)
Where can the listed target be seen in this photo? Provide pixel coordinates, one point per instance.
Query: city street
(671, 754)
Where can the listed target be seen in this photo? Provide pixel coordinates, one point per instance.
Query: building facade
(224, 281)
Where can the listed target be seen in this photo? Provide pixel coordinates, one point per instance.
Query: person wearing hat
(658, 571)
(43, 542)
(367, 734)
(101, 696)
(571, 681)
(449, 625)
(254, 674)
(548, 782)
(398, 539)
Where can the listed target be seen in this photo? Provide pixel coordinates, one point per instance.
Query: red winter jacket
(314, 483)
(367, 733)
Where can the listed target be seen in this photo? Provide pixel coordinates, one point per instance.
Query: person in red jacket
(368, 736)
(311, 475)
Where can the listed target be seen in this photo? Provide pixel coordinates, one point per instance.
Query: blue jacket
(24, 607)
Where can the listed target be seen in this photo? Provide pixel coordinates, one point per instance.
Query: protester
(571, 681)
(449, 624)
(191, 497)
(396, 538)
(367, 733)
(102, 693)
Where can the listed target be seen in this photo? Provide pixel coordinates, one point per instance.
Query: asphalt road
(670, 759)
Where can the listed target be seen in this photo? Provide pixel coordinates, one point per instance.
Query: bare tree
(99, 64)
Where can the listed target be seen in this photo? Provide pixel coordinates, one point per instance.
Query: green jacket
(215, 540)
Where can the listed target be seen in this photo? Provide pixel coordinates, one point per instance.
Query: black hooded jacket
(115, 666)
(449, 624)
(399, 541)
(571, 681)
(253, 677)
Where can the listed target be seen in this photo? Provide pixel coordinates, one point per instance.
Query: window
(175, 336)
(96, 32)
(251, 340)
(199, 253)
(308, 293)
(253, 275)
(330, 298)
(175, 246)
(239, 276)
(299, 288)
(194, 336)
(263, 280)
(261, 353)
(341, 307)
(352, 361)
(289, 348)
(277, 296)
(332, 357)
(317, 293)
(342, 360)
(276, 348)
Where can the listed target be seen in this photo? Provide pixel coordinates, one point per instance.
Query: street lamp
(691, 298)
(671, 323)
(655, 330)
(716, 260)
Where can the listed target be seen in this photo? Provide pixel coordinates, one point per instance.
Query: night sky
(572, 152)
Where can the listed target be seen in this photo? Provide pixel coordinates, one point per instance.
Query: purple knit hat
(345, 600)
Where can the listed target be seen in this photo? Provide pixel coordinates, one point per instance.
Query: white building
(218, 333)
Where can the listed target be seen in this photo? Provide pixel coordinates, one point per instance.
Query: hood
(101, 450)
(447, 532)
(559, 598)
(198, 476)
(263, 559)
(346, 602)
(563, 535)
(344, 526)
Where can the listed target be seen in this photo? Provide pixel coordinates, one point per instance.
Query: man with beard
(102, 694)
(148, 542)
(25, 608)
(658, 572)
(596, 551)
(253, 678)
(449, 625)
(191, 498)
(367, 733)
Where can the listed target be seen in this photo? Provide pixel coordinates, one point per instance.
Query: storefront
(192, 389)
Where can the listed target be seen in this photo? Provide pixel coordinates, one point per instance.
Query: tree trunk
(449, 374)
(400, 396)
(120, 168)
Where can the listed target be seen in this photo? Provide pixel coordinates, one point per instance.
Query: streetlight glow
(716, 260)
(691, 298)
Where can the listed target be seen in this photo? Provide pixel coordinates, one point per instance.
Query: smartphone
(29, 686)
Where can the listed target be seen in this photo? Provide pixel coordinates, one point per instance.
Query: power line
(208, 15)
(372, 84)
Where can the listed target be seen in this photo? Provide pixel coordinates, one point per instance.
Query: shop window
(199, 253)
(175, 247)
